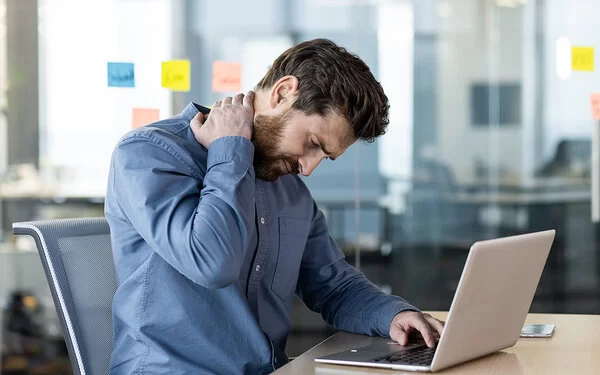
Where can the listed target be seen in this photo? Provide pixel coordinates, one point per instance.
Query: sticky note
(120, 74)
(227, 76)
(582, 58)
(596, 106)
(144, 116)
(176, 75)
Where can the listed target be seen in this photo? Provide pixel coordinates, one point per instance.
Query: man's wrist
(231, 148)
(389, 311)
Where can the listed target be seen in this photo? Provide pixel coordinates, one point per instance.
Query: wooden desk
(574, 349)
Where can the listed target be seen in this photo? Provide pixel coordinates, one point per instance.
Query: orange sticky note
(596, 106)
(143, 116)
(227, 76)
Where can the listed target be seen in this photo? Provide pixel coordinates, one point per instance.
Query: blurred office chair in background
(573, 158)
(77, 258)
(431, 212)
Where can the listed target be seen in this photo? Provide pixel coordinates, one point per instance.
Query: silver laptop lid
(493, 297)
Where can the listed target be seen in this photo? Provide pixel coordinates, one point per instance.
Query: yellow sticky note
(176, 75)
(144, 116)
(582, 58)
(596, 106)
(227, 76)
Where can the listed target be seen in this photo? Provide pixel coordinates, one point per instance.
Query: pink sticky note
(596, 106)
(143, 116)
(227, 76)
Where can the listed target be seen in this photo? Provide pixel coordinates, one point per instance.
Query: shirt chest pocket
(293, 234)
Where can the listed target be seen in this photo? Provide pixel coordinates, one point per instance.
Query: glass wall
(490, 133)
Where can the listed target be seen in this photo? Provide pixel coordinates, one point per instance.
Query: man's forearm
(357, 305)
(201, 232)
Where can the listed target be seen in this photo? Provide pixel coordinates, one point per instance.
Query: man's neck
(261, 102)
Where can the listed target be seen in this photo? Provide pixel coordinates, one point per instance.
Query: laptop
(487, 314)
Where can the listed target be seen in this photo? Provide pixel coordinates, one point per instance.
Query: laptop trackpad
(373, 351)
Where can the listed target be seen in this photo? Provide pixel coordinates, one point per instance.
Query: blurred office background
(490, 134)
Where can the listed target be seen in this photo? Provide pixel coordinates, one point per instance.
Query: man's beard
(267, 136)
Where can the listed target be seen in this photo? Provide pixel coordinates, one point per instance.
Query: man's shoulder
(172, 136)
(166, 129)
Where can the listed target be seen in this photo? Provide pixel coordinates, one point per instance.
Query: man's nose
(308, 165)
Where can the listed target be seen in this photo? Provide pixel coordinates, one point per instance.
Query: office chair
(77, 258)
(571, 159)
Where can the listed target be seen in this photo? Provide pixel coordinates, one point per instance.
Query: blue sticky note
(120, 74)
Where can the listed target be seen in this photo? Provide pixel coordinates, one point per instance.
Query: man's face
(296, 143)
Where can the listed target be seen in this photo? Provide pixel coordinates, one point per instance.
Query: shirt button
(257, 268)
(262, 220)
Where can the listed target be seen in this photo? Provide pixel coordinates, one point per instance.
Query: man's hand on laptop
(408, 322)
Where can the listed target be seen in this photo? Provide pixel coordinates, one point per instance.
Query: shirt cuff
(389, 311)
(230, 148)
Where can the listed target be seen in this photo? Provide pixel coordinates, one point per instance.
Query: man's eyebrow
(324, 150)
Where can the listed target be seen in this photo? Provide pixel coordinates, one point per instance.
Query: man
(213, 232)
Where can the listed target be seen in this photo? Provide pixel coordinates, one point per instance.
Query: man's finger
(198, 120)
(426, 331)
(249, 100)
(435, 324)
(217, 104)
(399, 335)
(238, 99)
(228, 100)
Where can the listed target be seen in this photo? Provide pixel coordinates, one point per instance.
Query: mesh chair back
(77, 259)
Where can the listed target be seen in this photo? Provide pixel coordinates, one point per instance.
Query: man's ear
(283, 92)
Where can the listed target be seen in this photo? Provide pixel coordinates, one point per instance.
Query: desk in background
(573, 349)
(26, 207)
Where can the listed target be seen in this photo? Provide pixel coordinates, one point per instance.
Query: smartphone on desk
(538, 330)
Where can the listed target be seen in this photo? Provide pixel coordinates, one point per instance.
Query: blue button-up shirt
(208, 258)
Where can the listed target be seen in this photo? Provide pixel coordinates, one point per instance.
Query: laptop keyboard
(421, 356)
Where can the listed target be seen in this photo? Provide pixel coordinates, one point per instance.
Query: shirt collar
(191, 110)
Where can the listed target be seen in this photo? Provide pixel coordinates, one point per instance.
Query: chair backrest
(77, 259)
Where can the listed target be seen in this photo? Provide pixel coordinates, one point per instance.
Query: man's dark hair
(332, 79)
